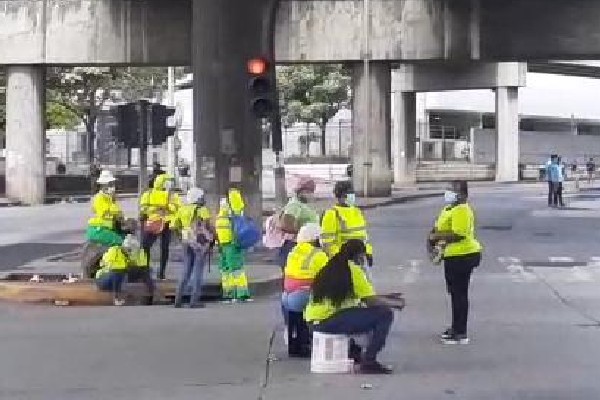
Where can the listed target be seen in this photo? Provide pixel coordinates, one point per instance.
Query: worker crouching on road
(105, 226)
(159, 207)
(121, 262)
(304, 262)
(343, 222)
(231, 262)
(198, 237)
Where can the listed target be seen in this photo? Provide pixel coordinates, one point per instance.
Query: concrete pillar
(371, 115)
(405, 137)
(507, 134)
(25, 134)
(227, 140)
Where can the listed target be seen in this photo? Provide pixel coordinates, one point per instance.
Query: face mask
(351, 199)
(450, 197)
(168, 185)
(110, 190)
(359, 260)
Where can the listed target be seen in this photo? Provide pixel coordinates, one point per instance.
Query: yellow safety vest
(191, 213)
(224, 229)
(115, 259)
(341, 224)
(305, 261)
(106, 211)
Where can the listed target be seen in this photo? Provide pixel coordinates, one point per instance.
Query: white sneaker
(119, 302)
(456, 339)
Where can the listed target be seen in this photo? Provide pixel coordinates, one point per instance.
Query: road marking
(509, 260)
(561, 259)
(519, 274)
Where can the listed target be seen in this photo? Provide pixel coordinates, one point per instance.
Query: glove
(369, 260)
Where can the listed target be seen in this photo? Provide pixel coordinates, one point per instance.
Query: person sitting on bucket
(105, 226)
(343, 302)
(304, 261)
(197, 234)
(231, 262)
(115, 265)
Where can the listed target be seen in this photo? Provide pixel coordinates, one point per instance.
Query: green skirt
(104, 236)
(231, 258)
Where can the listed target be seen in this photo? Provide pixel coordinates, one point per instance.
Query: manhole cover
(495, 227)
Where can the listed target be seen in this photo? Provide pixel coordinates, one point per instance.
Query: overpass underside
(438, 44)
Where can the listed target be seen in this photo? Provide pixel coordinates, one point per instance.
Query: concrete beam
(405, 137)
(25, 134)
(507, 134)
(371, 125)
(438, 77)
(159, 32)
(149, 32)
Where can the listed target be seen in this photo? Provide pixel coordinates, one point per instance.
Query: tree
(80, 91)
(313, 94)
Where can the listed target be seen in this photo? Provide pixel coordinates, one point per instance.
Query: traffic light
(160, 130)
(260, 87)
(126, 128)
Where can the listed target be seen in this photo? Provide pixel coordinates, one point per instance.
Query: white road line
(561, 259)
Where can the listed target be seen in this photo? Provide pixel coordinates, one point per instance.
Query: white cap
(106, 177)
(309, 233)
(195, 195)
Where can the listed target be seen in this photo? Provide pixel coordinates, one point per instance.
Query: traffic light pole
(145, 120)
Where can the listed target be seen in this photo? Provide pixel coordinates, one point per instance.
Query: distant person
(462, 254)
(198, 238)
(157, 170)
(562, 177)
(298, 212)
(556, 179)
(158, 207)
(590, 167)
(549, 179)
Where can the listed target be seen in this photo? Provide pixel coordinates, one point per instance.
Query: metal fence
(305, 140)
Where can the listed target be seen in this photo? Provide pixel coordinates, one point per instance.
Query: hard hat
(106, 177)
(309, 233)
(305, 184)
(342, 188)
(195, 195)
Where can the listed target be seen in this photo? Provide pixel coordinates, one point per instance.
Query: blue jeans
(112, 282)
(294, 301)
(193, 265)
(376, 320)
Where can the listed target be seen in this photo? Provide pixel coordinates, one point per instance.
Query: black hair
(342, 188)
(334, 281)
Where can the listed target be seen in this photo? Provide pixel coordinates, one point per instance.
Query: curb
(402, 199)
(84, 293)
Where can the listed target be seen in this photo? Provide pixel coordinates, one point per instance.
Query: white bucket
(330, 354)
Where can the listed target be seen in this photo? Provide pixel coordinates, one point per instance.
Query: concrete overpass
(457, 38)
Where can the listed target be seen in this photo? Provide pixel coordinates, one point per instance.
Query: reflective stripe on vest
(308, 261)
(358, 232)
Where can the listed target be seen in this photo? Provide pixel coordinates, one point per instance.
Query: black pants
(165, 240)
(457, 271)
(375, 320)
(550, 193)
(558, 194)
(298, 335)
(141, 274)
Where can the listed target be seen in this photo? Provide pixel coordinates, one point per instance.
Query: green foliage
(59, 116)
(312, 94)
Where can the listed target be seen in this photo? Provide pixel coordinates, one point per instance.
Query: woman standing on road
(462, 253)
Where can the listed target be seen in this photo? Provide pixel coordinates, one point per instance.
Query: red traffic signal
(257, 66)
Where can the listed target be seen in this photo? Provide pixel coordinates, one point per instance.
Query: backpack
(200, 235)
(246, 232)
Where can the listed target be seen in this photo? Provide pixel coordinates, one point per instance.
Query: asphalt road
(534, 327)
